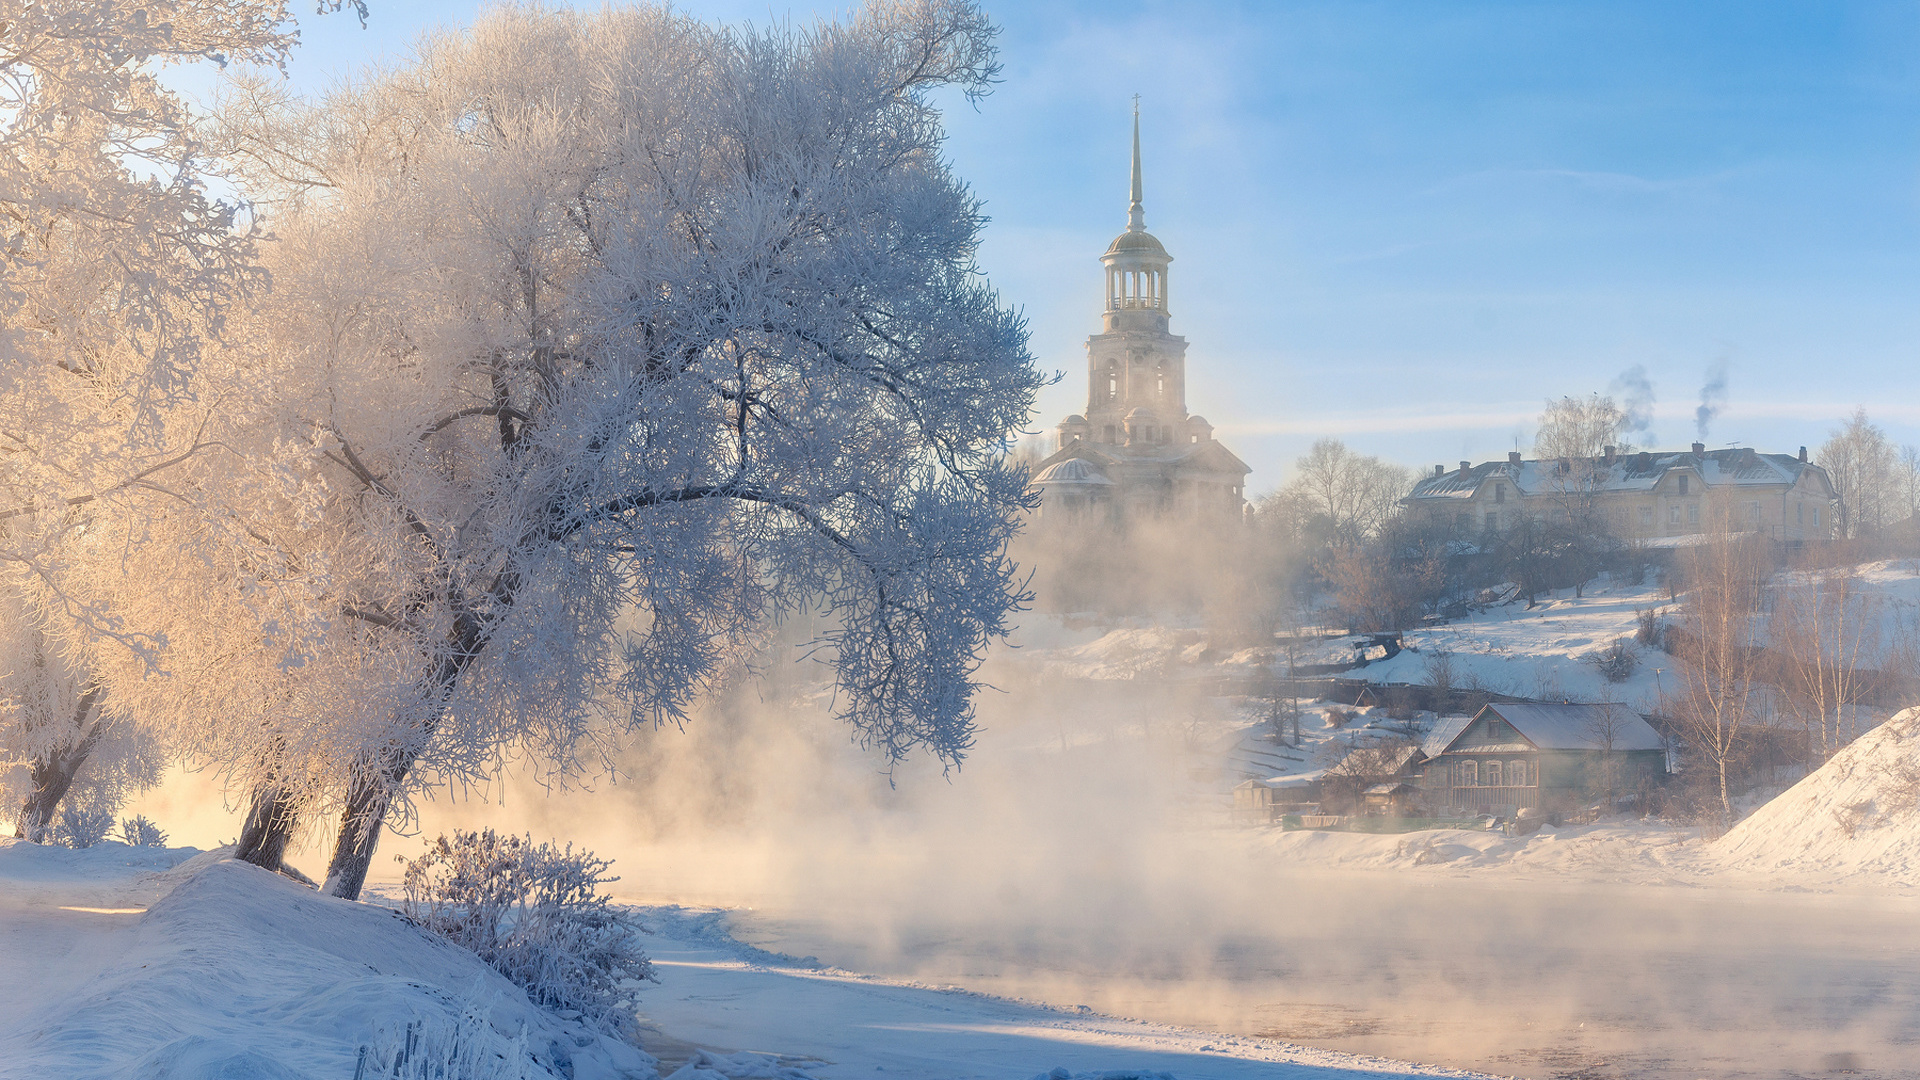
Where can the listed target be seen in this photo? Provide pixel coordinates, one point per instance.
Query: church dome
(1076, 418)
(1071, 471)
(1138, 243)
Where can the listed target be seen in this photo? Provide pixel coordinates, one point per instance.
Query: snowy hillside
(1857, 816)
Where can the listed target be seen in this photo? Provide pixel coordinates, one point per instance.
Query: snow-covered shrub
(83, 823)
(424, 1050)
(1648, 630)
(138, 831)
(1617, 662)
(535, 914)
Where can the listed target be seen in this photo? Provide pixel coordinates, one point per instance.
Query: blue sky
(1407, 224)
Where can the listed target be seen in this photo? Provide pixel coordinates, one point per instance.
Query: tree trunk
(371, 793)
(52, 777)
(366, 812)
(270, 823)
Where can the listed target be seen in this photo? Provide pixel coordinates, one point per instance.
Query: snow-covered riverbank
(171, 965)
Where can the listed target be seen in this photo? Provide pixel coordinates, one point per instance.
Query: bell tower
(1137, 451)
(1136, 369)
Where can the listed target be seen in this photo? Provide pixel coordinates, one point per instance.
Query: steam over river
(1517, 977)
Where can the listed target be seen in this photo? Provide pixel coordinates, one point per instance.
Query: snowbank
(233, 971)
(1858, 816)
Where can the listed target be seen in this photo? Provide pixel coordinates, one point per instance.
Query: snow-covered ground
(170, 965)
(1082, 857)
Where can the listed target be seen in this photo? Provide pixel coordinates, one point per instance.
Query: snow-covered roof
(1445, 730)
(1071, 471)
(1578, 727)
(1628, 473)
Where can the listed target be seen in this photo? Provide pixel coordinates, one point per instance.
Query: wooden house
(1509, 756)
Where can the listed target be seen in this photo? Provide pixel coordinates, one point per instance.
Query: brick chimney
(1803, 455)
(1699, 449)
(1464, 466)
(1610, 451)
(1439, 471)
(1513, 457)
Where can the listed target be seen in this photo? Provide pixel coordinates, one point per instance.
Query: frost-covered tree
(56, 736)
(116, 267)
(598, 342)
(117, 273)
(1347, 497)
(1864, 467)
(1579, 428)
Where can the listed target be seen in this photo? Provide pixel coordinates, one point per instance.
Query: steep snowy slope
(1858, 816)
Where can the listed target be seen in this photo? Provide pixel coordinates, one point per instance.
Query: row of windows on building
(1496, 773)
(1755, 515)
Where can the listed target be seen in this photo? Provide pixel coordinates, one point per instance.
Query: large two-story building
(1638, 496)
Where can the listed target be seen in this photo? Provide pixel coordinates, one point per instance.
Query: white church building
(1137, 451)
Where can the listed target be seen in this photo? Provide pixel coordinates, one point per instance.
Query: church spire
(1136, 214)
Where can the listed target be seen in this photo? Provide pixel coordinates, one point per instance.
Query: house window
(1799, 513)
(1493, 774)
(1683, 485)
(1499, 493)
(1753, 513)
(1673, 513)
(1693, 513)
(1646, 515)
(1493, 520)
(1469, 774)
(1517, 773)
(1816, 517)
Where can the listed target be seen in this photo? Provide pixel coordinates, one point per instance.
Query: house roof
(1445, 730)
(1570, 727)
(1628, 473)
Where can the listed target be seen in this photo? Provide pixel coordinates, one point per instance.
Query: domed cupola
(1136, 263)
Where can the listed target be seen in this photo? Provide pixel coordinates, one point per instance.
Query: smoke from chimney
(1713, 397)
(1635, 393)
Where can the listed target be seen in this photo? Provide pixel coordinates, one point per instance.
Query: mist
(1082, 857)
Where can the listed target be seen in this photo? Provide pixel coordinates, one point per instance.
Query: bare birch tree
(1351, 495)
(1720, 635)
(1863, 464)
(1825, 635)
